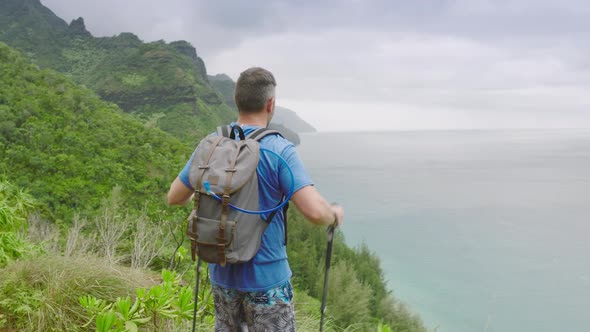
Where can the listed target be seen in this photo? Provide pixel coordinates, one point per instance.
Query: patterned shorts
(265, 311)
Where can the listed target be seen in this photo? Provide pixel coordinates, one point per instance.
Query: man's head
(255, 91)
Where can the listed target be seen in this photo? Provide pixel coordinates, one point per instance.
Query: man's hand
(338, 213)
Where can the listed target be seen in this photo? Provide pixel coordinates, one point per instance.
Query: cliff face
(188, 50)
(78, 28)
(152, 80)
(32, 29)
(165, 83)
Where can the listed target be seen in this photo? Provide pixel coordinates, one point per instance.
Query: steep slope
(69, 148)
(165, 83)
(34, 30)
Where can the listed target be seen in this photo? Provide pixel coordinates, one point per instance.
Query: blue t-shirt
(269, 267)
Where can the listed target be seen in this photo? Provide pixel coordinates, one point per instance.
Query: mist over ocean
(476, 230)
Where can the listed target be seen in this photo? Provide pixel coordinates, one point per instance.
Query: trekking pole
(331, 229)
(197, 294)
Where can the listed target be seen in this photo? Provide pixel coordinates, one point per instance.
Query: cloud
(463, 56)
(523, 21)
(209, 25)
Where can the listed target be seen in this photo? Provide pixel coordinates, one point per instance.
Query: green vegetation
(141, 78)
(69, 148)
(15, 205)
(84, 230)
(166, 306)
(33, 29)
(42, 293)
(357, 294)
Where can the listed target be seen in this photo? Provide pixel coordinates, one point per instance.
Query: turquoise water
(476, 230)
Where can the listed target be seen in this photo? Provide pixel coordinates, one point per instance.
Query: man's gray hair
(254, 88)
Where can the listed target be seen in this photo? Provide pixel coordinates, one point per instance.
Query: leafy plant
(15, 205)
(153, 308)
(14, 247)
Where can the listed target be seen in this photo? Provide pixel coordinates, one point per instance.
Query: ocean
(475, 230)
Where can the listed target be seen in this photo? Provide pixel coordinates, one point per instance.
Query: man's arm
(315, 208)
(179, 193)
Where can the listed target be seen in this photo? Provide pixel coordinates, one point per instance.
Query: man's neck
(259, 120)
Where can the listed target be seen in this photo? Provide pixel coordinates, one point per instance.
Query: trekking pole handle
(335, 223)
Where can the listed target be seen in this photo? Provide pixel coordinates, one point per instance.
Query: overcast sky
(379, 64)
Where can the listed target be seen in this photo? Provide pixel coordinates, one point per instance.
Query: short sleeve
(184, 175)
(300, 176)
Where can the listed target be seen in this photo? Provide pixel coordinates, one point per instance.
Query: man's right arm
(315, 208)
(306, 198)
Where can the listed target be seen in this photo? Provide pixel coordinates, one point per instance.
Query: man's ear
(270, 105)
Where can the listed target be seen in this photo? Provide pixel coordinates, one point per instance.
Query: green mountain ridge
(159, 81)
(69, 148)
(27, 24)
(166, 83)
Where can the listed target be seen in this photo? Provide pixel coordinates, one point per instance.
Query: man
(259, 292)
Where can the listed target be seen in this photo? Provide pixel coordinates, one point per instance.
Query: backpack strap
(257, 134)
(192, 225)
(223, 131)
(260, 133)
(274, 213)
(285, 208)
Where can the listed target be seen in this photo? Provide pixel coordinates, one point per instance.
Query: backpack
(225, 225)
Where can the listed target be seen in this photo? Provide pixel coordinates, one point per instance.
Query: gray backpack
(223, 173)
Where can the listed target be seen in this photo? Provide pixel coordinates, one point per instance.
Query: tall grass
(307, 314)
(42, 294)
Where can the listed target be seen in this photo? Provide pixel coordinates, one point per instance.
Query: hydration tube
(287, 198)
